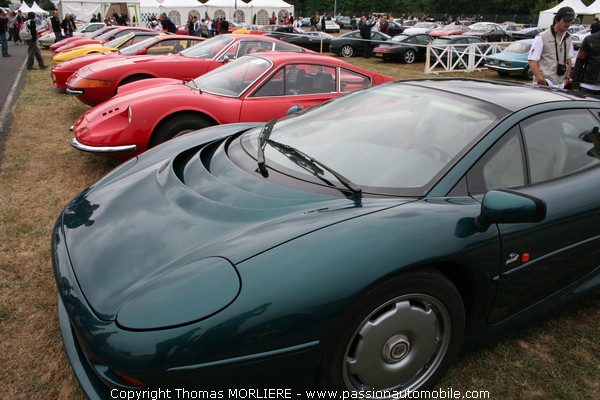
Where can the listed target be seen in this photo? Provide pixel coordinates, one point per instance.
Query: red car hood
(132, 60)
(152, 87)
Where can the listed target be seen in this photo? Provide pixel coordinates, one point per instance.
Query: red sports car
(257, 87)
(99, 81)
(156, 45)
(118, 31)
(92, 35)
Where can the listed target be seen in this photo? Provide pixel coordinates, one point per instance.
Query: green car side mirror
(508, 207)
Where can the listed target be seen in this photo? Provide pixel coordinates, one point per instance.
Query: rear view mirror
(508, 207)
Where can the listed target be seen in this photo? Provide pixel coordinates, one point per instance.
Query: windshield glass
(208, 48)
(400, 146)
(233, 78)
(518, 48)
(481, 28)
(134, 48)
(399, 38)
(118, 41)
(108, 34)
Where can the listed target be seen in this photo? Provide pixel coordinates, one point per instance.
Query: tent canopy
(37, 9)
(547, 16)
(86, 9)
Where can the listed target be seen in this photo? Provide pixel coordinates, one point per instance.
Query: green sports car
(356, 246)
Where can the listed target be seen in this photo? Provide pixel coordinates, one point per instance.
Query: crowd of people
(549, 59)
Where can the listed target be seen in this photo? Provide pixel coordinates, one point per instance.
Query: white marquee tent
(34, 7)
(85, 9)
(595, 7)
(547, 16)
(178, 10)
(256, 11)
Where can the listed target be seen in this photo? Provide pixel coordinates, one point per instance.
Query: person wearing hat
(586, 73)
(552, 50)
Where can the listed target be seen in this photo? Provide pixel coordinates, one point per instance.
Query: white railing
(459, 58)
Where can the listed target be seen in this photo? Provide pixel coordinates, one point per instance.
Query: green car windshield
(394, 139)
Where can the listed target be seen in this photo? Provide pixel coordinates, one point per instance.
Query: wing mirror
(294, 109)
(508, 207)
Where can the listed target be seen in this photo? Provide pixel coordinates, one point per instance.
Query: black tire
(347, 51)
(402, 334)
(528, 74)
(176, 126)
(409, 56)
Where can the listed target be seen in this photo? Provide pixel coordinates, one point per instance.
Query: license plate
(378, 55)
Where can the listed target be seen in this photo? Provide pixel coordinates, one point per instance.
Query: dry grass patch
(40, 173)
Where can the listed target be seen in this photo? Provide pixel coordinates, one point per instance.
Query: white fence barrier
(459, 57)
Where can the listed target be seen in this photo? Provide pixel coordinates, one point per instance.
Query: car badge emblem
(514, 257)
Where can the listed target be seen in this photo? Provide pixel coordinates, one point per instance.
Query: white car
(331, 26)
(577, 38)
(48, 39)
(421, 27)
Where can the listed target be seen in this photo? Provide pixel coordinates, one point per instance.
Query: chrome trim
(102, 149)
(507, 69)
(74, 92)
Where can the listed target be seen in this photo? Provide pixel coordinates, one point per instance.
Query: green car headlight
(183, 295)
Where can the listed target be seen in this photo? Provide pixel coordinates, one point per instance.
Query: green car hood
(132, 231)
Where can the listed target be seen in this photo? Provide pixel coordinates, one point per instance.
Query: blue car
(513, 60)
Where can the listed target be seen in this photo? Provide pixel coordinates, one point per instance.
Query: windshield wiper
(312, 165)
(262, 142)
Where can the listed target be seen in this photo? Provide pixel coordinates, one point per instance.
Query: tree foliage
(454, 7)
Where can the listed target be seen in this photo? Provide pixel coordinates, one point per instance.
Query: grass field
(40, 173)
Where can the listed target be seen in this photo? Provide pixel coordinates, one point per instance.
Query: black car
(313, 40)
(527, 33)
(404, 48)
(395, 28)
(351, 43)
(457, 49)
(346, 22)
(488, 32)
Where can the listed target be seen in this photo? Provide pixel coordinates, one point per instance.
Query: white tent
(85, 9)
(255, 12)
(232, 10)
(178, 10)
(37, 9)
(546, 17)
(595, 7)
(24, 8)
(148, 9)
(262, 10)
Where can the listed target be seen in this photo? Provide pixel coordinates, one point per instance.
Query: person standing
(3, 30)
(586, 72)
(56, 28)
(224, 27)
(384, 25)
(68, 25)
(33, 51)
(365, 35)
(167, 23)
(551, 52)
(19, 20)
(190, 25)
(209, 27)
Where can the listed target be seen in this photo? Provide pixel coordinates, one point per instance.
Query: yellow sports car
(113, 45)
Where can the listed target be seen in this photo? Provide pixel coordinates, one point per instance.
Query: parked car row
(133, 112)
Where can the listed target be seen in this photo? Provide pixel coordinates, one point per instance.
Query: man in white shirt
(551, 52)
